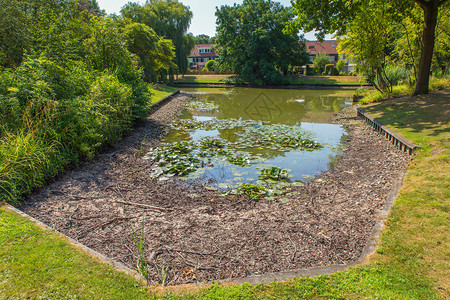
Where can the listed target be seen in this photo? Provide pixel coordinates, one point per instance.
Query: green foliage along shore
(71, 82)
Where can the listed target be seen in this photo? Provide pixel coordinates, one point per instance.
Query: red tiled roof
(195, 52)
(315, 47)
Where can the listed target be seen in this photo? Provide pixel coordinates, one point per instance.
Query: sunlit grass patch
(36, 264)
(162, 91)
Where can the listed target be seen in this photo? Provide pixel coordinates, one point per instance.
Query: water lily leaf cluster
(189, 159)
(184, 158)
(214, 124)
(277, 137)
(253, 191)
(274, 173)
(202, 106)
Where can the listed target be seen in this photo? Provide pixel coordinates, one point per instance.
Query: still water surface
(310, 110)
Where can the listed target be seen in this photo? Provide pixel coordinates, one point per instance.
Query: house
(201, 54)
(329, 48)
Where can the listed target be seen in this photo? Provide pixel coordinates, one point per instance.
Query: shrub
(399, 74)
(98, 118)
(211, 65)
(340, 66)
(320, 61)
(439, 83)
(310, 70)
(331, 70)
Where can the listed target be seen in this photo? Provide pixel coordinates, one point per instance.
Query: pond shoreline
(202, 236)
(289, 86)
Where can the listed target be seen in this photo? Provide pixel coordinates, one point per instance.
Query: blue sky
(204, 19)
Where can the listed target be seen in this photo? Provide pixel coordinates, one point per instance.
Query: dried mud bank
(199, 235)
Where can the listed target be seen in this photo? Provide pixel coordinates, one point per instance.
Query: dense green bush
(52, 115)
(331, 70)
(211, 65)
(310, 70)
(340, 66)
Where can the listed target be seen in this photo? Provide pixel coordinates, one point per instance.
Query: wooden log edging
(398, 141)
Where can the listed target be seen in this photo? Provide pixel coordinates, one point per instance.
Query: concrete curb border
(368, 250)
(403, 144)
(164, 100)
(115, 264)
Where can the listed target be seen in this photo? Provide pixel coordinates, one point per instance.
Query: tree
(430, 11)
(252, 41)
(154, 52)
(336, 16)
(340, 65)
(320, 61)
(91, 6)
(169, 19)
(14, 35)
(367, 41)
(203, 39)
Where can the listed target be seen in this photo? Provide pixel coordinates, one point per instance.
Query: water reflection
(308, 109)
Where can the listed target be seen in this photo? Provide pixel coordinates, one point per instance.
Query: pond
(253, 141)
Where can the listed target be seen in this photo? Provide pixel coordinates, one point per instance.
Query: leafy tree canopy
(253, 43)
(344, 16)
(169, 19)
(205, 39)
(320, 61)
(155, 53)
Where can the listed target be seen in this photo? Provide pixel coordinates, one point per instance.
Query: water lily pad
(223, 185)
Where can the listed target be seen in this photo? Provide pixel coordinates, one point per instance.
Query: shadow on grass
(422, 114)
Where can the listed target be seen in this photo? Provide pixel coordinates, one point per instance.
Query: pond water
(235, 136)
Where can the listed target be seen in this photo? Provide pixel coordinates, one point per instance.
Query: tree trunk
(430, 10)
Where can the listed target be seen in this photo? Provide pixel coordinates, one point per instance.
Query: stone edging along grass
(266, 278)
(164, 100)
(115, 264)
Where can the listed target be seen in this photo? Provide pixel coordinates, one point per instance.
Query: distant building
(327, 47)
(201, 54)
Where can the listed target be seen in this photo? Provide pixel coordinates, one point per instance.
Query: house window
(204, 50)
(334, 45)
(311, 47)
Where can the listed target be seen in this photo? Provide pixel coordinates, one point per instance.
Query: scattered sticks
(142, 205)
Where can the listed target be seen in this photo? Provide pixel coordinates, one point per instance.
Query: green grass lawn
(311, 80)
(36, 263)
(162, 91)
(208, 78)
(412, 261)
(328, 80)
